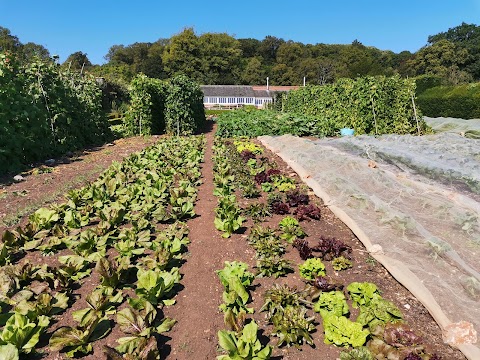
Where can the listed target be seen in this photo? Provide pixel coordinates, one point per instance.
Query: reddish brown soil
(196, 311)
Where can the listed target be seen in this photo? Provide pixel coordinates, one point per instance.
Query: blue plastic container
(347, 132)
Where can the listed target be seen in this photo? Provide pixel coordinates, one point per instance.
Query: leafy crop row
(377, 332)
(127, 227)
(46, 111)
(256, 123)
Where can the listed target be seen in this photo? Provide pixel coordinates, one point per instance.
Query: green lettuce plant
(312, 268)
(244, 346)
(78, 340)
(343, 332)
(22, 332)
(156, 286)
(331, 303)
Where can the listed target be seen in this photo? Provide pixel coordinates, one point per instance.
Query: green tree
(268, 48)
(253, 72)
(466, 37)
(443, 58)
(31, 50)
(9, 42)
(250, 47)
(77, 61)
(220, 58)
(182, 55)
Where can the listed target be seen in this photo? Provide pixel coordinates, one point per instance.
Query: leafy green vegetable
(291, 229)
(246, 346)
(78, 340)
(379, 312)
(9, 352)
(362, 293)
(156, 285)
(361, 353)
(273, 265)
(312, 268)
(228, 218)
(43, 304)
(44, 218)
(343, 332)
(22, 332)
(236, 278)
(331, 303)
(139, 325)
(341, 263)
(101, 301)
(292, 326)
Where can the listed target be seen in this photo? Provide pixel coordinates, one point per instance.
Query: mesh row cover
(468, 128)
(417, 197)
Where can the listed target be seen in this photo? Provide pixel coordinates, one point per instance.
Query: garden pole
(415, 113)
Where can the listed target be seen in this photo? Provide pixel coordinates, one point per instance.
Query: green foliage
(269, 250)
(425, 82)
(285, 310)
(292, 326)
(312, 268)
(353, 103)
(140, 324)
(242, 145)
(462, 101)
(22, 332)
(362, 293)
(184, 112)
(156, 286)
(235, 278)
(46, 111)
(246, 346)
(343, 332)
(228, 217)
(291, 229)
(361, 353)
(331, 303)
(341, 263)
(156, 107)
(78, 340)
(146, 113)
(252, 123)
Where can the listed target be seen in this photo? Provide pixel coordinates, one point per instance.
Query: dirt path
(197, 304)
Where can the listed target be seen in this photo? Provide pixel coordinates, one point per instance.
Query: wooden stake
(374, 116)
(415, 114)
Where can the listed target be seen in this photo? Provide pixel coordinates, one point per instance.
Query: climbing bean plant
(370, 105)
(46, 111)
(173, 107)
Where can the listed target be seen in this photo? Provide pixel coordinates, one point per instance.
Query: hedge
(461, 101)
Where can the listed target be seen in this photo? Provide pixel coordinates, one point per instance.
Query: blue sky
(93, 26)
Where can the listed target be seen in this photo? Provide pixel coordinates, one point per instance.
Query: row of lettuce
(128, 229)
(377, 332)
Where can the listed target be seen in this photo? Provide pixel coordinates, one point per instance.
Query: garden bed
(200, 294)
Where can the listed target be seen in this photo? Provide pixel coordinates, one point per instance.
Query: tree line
(452, 57)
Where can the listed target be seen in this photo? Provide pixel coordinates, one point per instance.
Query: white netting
(417, 197)
(468, 128)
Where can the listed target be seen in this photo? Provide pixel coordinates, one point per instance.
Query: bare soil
(196, 311)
